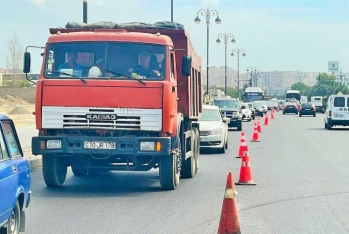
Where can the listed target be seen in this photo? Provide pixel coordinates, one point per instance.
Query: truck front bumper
(73, 145)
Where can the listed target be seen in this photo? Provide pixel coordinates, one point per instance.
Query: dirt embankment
(18, 104)
(26, 94)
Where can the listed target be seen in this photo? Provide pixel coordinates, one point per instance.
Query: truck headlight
(53, 144)
(147, 145)
(217, 131)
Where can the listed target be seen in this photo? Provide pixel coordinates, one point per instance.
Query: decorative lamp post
(225, 37)
(208, 13)
(238, 51)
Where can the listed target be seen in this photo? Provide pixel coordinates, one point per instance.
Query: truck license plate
(99, 145)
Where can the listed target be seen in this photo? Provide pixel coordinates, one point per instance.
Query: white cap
(94, 72)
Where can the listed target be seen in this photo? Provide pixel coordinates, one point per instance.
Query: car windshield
(227, 104)
(318, 103)
(210, 115)
(113, 60)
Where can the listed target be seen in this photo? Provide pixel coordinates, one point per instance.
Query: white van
(337, 111)
(317, 99)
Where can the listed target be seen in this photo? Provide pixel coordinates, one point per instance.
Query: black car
(230, 108)
(290, 107)
(320, 107)
(307, 109)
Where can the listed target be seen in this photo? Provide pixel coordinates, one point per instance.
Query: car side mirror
(226, 120)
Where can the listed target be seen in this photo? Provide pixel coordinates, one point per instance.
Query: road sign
(333, 66)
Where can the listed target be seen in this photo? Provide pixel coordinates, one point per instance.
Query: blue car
(15, 180)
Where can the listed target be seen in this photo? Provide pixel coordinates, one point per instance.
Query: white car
(213, 129)
(262, 105)
(246, 112)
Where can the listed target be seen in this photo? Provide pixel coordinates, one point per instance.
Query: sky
(287, 35)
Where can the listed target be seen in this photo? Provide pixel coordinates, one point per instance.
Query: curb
(35, 163)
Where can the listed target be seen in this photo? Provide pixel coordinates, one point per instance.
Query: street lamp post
(251, 70)
(238, 51)
(171, 10)
(226, 37)
(197, 20)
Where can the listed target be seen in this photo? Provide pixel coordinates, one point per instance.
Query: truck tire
(54, 170)
(188, 166)
(78, 170)
(169, 171)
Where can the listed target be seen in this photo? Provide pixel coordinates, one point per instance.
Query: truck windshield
(108, 60)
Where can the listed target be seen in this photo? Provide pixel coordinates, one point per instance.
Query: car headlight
(217, 131)
(235, 114)
(53, 144)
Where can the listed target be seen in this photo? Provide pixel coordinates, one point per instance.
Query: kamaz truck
(98, 108)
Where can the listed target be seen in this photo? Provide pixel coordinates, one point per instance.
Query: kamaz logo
(101, 117)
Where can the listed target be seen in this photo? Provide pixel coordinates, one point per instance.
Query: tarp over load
(133, 25)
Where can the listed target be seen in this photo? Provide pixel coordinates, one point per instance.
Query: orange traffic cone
(229, 221)
(243, 147)
(245, 172)
(272, 114)
(255, 135)
(259, 128)
(266, 120)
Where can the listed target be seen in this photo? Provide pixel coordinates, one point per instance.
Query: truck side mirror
(27, 61)
(186, 65)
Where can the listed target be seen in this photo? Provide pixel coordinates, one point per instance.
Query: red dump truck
(98, 108)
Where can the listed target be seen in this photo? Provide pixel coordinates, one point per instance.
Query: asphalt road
(301, 172)
(25, 134)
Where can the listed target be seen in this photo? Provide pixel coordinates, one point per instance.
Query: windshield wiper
(120, 74)
(67, 74)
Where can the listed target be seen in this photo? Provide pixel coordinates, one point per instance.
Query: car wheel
(283, 112)
(262, 115)
(226, 144)
(14, 220)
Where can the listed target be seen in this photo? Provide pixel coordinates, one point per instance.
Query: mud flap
(22, 222)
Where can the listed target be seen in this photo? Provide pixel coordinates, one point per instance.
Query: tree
(301, 87)
(14, 58)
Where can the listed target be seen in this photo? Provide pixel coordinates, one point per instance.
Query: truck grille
(126, 119)
(122, 122)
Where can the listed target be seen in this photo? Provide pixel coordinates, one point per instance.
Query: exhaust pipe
(85, 11)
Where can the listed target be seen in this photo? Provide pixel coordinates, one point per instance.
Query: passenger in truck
(148, 66)
(72, 64)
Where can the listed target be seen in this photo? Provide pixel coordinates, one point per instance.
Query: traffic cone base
(229, 221)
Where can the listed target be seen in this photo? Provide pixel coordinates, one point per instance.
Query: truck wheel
(169, 171)
(14, 220)
(188, 166)
(79, 170)
(53, 170)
